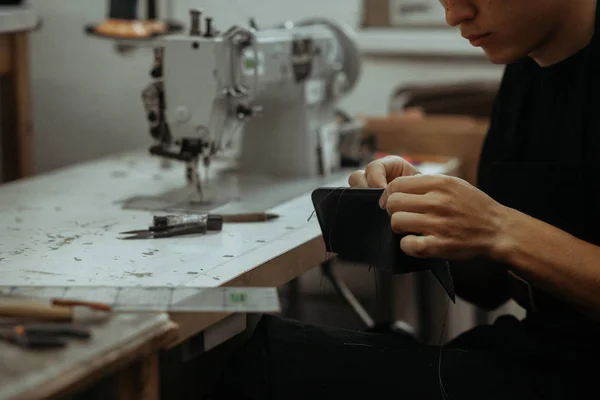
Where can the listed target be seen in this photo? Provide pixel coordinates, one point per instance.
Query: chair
(473, 98)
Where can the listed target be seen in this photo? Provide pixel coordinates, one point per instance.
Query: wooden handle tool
(249, 217)
(25, 308)
(74, 303)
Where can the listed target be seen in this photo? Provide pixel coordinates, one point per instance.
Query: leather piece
(356, 229)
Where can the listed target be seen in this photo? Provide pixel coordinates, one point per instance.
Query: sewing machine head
(271, 93)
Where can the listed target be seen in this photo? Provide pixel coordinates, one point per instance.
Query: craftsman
(530, 231)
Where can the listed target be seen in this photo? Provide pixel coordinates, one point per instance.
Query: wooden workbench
(15, 109)
(127, 342)
(62, 228)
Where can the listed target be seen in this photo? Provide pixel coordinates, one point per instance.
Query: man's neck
(573, 34)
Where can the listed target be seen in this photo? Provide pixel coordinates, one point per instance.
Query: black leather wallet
(356, 229)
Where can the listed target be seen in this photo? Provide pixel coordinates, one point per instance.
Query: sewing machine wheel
(347, 39)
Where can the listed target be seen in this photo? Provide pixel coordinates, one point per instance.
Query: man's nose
(459, 11)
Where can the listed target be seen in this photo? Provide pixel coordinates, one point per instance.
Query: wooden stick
(73, 303)
(249, 217)
(23, 308)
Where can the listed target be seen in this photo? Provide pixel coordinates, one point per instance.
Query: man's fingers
(376, 174)
(420, 246)
(384, 170)
(419, 184)
(396, 166)
(406, 202)
(358, 179)
(409, 222)
(414, 184)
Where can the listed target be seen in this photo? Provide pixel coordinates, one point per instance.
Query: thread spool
(195, 15)
(209, 28)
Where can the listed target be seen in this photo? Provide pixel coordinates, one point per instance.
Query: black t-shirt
(552, 113)
(538, 114)
(542, 151)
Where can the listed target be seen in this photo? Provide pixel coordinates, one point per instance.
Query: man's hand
(380, 172)
(454, 219)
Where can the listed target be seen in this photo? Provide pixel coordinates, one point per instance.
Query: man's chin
(500, 56)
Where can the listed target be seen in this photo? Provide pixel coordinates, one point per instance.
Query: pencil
(73, 303)
(250, 217)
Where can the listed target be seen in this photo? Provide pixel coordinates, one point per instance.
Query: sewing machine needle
(206, 162)
(193, 178)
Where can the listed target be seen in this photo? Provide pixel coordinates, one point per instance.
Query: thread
(443, 391)
(376, 284)
(325, 198)
(329, 255)
(442, 388)
(195, 16)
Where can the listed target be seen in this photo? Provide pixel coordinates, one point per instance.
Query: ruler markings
(160, 298)
(44, 292)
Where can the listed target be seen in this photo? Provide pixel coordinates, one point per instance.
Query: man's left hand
(445, 217)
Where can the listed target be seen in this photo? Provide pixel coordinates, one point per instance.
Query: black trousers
(287, 359)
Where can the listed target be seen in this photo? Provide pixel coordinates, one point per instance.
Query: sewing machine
(265, 98)
(269, 92)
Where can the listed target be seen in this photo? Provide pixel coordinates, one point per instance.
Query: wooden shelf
(17, 18)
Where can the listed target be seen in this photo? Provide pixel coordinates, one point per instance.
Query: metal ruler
(158, 298)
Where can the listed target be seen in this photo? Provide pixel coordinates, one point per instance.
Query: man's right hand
(380, 172)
